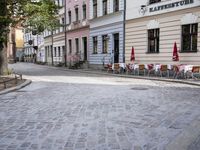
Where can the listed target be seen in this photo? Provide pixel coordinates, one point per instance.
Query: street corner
(17, 87)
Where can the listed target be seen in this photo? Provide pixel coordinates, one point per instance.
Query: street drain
(139, 88)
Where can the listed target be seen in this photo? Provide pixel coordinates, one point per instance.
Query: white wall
(100, 7)
(134, 7)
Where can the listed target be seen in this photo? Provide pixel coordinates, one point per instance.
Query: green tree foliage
(33, 14)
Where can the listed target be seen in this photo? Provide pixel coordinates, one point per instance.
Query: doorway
(116, 47)
(85, 48)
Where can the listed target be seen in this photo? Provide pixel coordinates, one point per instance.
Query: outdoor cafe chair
(164, 69)
(108, 67)
(141, 68)
(129, 69)
(150, 69)
(195, 72)
(116, 68)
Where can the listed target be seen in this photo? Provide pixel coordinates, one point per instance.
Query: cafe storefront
(157, 24)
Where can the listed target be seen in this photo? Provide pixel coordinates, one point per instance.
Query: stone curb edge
(24, 84)
(129, 76)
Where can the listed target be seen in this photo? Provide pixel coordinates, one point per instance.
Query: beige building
(153, 26)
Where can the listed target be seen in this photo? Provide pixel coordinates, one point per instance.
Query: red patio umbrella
(132, 54)
(175, 53)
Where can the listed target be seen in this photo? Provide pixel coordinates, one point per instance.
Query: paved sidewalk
(101, 72)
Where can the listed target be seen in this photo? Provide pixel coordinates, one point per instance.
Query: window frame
(115, 7)
(95, 44)
(191, 35)
(70, 16)
(105, 7)
(77, 45)
(76, 14)
(95, 9)
(70, 45)
(105, 44)
(155, 38)
(84, 7)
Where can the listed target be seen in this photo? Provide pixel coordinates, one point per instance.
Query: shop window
(95, 44)
(153, 40)
(105, 5)
(116, 5)
(105, 43)
(154, 1)
(94, 8)
(189, 38)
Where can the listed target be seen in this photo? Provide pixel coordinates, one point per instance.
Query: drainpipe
(52, 48)
(124, 30)
(65, 30)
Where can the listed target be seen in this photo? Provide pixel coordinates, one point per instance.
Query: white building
(55, 45)
(153, 26)
(106, 32)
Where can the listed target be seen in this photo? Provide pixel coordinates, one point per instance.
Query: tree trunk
(3, 60)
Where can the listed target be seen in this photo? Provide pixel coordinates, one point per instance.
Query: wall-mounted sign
(171, 5)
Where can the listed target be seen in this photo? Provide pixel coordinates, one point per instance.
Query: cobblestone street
(63, 110)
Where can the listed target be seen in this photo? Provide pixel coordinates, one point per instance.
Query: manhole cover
(139, 88)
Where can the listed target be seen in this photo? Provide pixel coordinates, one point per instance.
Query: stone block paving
(65, 113)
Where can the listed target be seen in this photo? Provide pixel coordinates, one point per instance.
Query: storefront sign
(171, 5)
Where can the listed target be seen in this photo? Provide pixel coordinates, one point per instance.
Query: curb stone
(24, 84)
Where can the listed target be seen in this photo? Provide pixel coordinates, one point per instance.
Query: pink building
(77, 14)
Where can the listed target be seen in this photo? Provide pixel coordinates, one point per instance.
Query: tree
(36, 15)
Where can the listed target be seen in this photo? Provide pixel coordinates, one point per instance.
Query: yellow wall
(19, 38)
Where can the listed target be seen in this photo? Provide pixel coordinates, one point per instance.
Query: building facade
(106, 32)
(153, 26)
(77, 30)
(29, 42)
(54, 41)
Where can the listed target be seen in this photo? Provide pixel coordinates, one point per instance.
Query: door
(116, 47)
(85, 48)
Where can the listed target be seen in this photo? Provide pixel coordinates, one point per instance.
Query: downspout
(124, 30)
(52, 48)
(65, 30)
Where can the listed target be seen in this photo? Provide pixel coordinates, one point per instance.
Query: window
(95, 44)
(94, 8)
(153, 41)
(189, 37)
(63, 51)
(59, 51)
(76, 13)
(70, 46)
(70, 17)
(55, 54)
(104, 7)
(77, 45)
(154, 1)
(116, 5)
(84, 12)
(105, 43)
(63, 24)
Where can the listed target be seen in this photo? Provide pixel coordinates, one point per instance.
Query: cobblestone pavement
(64, 110)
